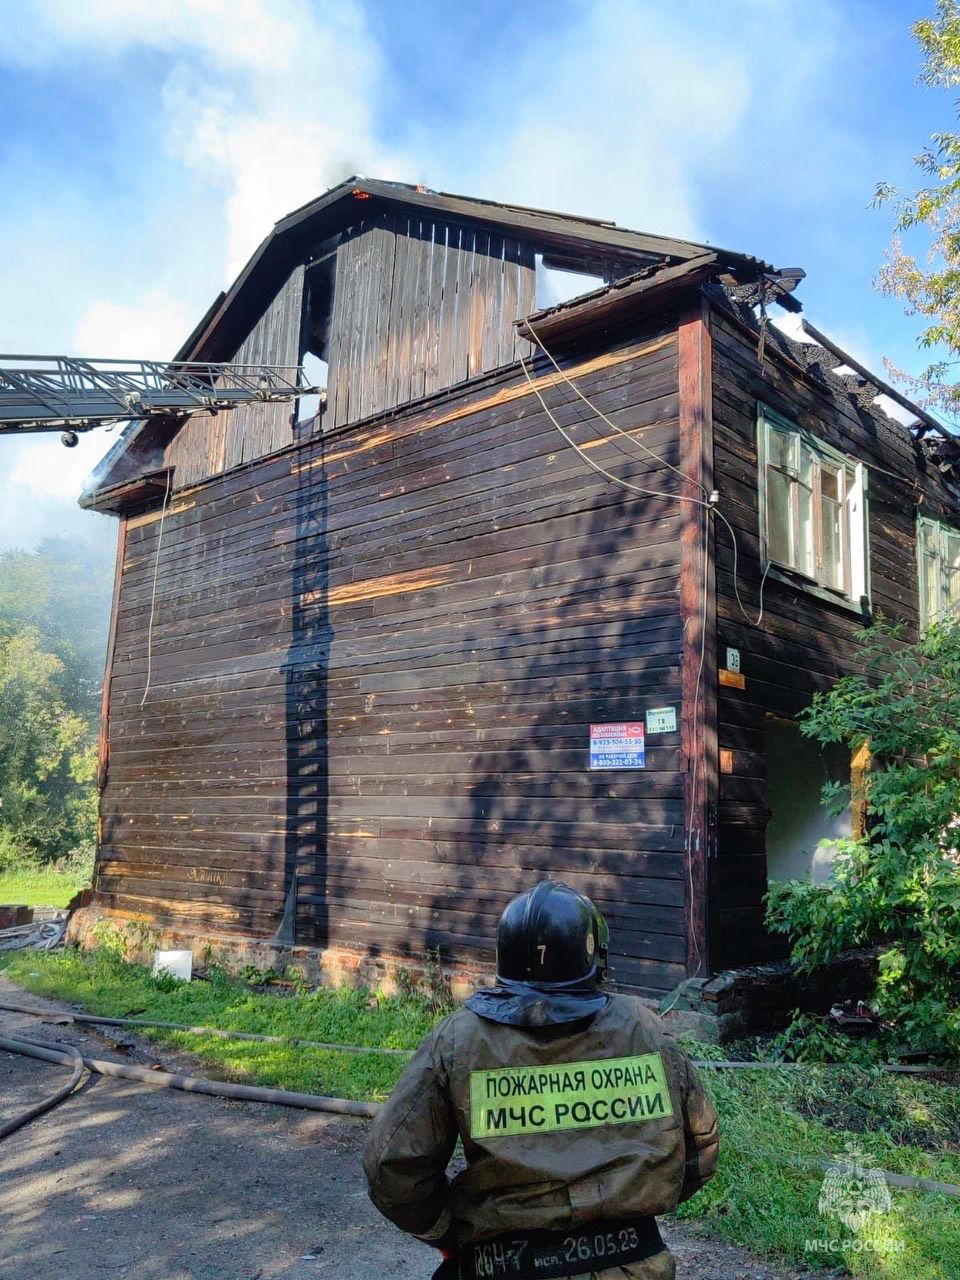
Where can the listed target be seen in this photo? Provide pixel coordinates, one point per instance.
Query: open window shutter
(859, 534)
(950, 557)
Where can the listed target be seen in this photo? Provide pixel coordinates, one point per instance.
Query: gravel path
(124, 1179)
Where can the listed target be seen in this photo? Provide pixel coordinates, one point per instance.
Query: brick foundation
(731, 1004)
(331, 966)
(13, 914)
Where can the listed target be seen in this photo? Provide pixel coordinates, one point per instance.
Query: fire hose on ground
(66, 1055)
(191, 1084)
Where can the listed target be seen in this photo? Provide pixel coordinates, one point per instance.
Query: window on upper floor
(813, 510)
(315, 328)
(938, 551)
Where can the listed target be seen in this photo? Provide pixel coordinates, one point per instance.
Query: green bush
(48, 756)
(899, 885)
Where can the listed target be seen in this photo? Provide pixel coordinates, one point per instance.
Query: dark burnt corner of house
(387, 615)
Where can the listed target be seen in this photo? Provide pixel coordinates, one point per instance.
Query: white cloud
(43, 468)
(614, 118)
(269, 101)
(262, 104)
(640, 112)
(152, 329)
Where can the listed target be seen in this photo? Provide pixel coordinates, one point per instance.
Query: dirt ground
(126, 1179)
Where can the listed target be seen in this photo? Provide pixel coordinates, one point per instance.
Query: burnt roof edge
(547, 227)
(614, 301)
(883, 387)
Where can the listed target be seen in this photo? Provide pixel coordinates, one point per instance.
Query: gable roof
(561, 233)
(564, 239)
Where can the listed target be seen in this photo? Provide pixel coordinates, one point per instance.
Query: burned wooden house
(530, 590)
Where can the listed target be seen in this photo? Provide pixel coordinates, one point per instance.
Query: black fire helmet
(552, 936)
(551, 960)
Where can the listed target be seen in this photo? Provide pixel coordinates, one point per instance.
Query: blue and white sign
(617, 746)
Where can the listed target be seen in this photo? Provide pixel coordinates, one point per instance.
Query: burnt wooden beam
(698, 732)
(882, 387)
(613, 303)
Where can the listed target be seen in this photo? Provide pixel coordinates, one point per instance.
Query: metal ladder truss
(53, 393)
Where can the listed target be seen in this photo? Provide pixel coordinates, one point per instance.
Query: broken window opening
(562, 276)
(800, 827)
(318, 288)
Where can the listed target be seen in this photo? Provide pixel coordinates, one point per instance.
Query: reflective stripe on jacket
(560, 1126)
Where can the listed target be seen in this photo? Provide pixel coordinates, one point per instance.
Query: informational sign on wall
(662, 720)
(617, 746)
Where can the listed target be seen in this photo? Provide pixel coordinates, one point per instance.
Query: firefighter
(580, 1117)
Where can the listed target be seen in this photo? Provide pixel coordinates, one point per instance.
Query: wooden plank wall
(207, 445)
(376, 658)
(803, 643)
(421, 305)
(418, 306)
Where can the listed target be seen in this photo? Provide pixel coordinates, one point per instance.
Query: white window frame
(854, 593)
(943, 610)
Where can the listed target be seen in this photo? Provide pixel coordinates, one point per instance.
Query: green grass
(776, 1124)
(40, 886)
(773, 1123)
(100, 982)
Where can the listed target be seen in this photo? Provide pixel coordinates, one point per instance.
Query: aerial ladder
(71, 395)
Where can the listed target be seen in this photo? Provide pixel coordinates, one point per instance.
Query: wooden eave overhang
(116, 498)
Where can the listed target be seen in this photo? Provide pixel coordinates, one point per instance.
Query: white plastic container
(178, 964)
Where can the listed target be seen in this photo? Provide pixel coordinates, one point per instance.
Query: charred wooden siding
(420, 305)
(803, 642)
(417, 306)
(376, 657)
(208, 445)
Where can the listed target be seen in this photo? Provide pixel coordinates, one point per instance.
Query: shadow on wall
(306, 679)
(592, 634)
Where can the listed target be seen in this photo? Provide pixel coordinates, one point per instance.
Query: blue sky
(146, 146)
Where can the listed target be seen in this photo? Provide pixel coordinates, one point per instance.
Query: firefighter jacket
(561, 1125)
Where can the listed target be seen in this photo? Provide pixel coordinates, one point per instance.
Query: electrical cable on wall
(153, 593)
(602, 471)
(709, 503)
(603, 417)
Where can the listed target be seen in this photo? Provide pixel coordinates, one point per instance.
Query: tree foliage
(928, 283)
(898, 886)
(47, 754)
(62, 591)
(54, 610)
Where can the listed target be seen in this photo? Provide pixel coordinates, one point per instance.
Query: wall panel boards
(376, 658)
